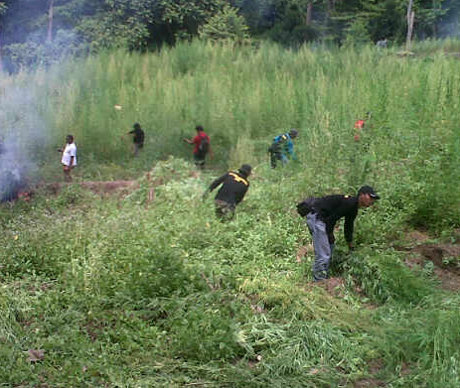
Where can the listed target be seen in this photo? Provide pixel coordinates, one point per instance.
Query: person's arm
(213, 185)
(127, 133)
(348, 230)
(217, 182)
(291, 150)
(330, 232)
(189, 141)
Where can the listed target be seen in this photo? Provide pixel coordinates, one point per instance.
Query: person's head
(137, 126)
(366, 196)
(199, 128)
(69, 139)
(245, 170)
(293, 133)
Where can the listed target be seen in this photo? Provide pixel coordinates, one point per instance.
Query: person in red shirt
(359, 124)
(202, 146)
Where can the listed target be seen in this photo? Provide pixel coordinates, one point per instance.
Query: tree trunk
(50, 21)
(410, 24)
(309, 13)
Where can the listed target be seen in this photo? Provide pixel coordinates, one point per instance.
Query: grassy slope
(120, 294)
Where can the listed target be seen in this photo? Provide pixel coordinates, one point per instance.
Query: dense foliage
(36, 32)
(148, 290)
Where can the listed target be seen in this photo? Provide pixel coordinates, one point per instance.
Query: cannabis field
(143, 286)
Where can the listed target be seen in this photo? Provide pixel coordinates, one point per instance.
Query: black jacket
(333, 207)
(139, 135)
(234, 187)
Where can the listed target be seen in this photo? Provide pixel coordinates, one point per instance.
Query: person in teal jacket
(282, 148)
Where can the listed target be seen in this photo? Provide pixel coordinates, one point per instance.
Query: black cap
(245, 169)
(368, 190)
(293, 132)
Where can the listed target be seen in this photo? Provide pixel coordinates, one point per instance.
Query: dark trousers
(224, 210)
(275, 156)
(199, 159)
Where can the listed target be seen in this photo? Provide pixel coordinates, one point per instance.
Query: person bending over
(323, 213)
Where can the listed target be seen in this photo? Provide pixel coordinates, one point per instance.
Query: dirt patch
(336, 287)
(375, 366)
(369, 383)
(417, 236)
(405, 369)
(333, 286)
(303, 251)
(95, 328)
(445, 258)
(97, 187)
(109, 187)
(443, 255)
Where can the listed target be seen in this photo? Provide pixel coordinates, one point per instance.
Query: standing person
(202, 146)
(69, 157)
(360, 123)
(138, 138)
(323, 213)
(235, 184)
(282, 148)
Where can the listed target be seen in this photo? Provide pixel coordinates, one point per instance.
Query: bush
(225, 25)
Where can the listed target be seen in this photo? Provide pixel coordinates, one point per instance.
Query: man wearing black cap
(323, 214)
(235, 184)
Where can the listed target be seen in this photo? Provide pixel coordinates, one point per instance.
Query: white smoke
(22, 139)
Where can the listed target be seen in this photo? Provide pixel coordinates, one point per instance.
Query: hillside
(142, 286)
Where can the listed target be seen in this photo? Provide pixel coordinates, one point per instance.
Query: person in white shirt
(69, 157)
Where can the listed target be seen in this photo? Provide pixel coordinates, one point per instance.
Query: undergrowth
(150, 289)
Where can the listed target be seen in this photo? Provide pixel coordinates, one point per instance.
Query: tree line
(35, 32)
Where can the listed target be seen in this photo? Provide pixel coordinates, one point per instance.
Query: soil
(375, 366)
(109, 187)
(370, 382)
(302, 251)
(334, 286)
(102, 188)
(445, 258)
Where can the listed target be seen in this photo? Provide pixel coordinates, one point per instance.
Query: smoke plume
(22, 139)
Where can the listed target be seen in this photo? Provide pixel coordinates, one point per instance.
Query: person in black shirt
(322, 217)
(235, 184)
(138, 138)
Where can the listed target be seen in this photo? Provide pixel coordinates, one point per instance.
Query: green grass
(122, 292)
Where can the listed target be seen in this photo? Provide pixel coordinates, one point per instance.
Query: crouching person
(235, 184)
(322, 214)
